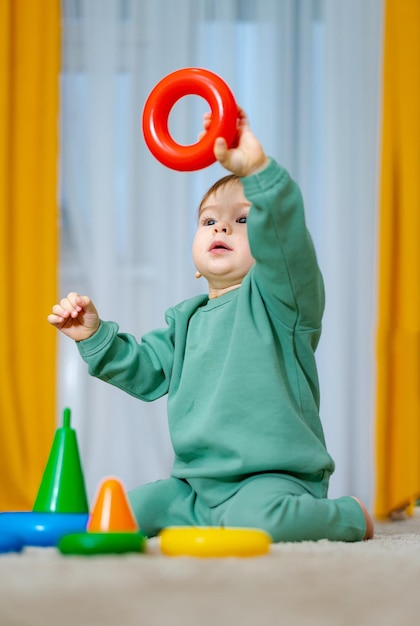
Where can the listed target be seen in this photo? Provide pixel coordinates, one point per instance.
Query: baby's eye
(208, 221)
(242, 220)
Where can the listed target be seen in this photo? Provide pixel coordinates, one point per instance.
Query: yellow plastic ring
(203, 541)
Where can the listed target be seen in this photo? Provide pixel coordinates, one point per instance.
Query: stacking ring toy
(89, 544)
(213, 542)
(42, 529)
(188, 81)
(10, 543)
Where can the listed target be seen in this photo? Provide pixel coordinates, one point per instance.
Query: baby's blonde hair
(221, 182)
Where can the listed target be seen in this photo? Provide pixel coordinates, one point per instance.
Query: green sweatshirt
(239, 370)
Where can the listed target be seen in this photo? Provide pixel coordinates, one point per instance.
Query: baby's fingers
(59, 313)
(221, 151)
(66, 309)
(55, 320)
(75, 304)
(74, 300)
(207, 119)
(58, 317)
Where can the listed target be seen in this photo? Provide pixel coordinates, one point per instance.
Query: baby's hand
(76, 317)
(247, 156)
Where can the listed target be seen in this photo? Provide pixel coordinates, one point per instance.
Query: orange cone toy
(112, 527)
(112, 511)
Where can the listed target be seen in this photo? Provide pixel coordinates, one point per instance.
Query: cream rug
(375, 583)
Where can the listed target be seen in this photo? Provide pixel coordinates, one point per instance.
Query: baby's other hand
(75, 316)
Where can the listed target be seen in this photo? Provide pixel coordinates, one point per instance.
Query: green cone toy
(62, 488)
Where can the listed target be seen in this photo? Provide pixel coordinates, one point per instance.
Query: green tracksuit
(243, 395)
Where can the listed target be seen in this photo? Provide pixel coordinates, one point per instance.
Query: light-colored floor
(329, 584)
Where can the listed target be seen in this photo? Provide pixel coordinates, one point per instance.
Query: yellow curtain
(398, 389)
(29, 58)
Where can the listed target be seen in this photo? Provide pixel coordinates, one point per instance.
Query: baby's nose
(222, 227)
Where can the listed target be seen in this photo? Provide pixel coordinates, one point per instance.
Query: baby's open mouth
(219, 245)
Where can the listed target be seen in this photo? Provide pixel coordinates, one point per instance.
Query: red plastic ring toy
(188, 81)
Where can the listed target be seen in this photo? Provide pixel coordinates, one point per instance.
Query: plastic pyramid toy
(112, 528)
(62, 488)
(61, 506)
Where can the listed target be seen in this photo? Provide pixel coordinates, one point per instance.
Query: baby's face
(220, 249)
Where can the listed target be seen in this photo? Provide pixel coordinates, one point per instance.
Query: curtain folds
(398, 379)
(29, 88)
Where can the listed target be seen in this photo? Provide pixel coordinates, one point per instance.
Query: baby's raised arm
(75, 316)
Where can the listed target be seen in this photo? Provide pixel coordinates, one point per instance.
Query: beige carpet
(376, 583)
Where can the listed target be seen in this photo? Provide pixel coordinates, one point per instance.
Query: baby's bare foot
(369, 521)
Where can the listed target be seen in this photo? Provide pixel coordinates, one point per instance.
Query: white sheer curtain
(308, 74)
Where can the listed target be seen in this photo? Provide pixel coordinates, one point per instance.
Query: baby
(237, 365)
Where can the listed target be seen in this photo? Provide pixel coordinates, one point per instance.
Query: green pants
(272, 502)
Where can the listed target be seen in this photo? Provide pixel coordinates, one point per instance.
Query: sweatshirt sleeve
(286, 268)
(142, 369)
